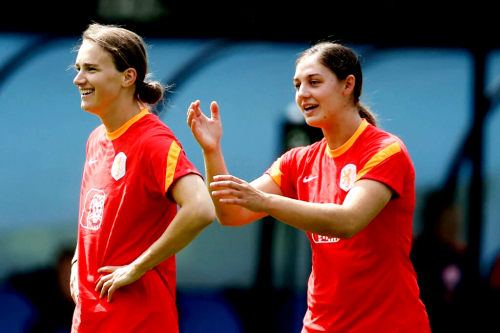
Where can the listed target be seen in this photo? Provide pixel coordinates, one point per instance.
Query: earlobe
(129, 76)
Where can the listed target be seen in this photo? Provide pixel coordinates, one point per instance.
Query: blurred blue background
(424, 93)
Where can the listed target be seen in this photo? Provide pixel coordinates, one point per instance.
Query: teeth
(85, 91)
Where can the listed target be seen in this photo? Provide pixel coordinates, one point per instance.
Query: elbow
(205, 214)
(347, 230)
(228, 220)
(225, 220)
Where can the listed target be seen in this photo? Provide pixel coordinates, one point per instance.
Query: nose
(79, 78)
(302, 91)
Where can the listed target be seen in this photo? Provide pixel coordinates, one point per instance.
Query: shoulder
(153, 132)
(305, 151)
(380, 139)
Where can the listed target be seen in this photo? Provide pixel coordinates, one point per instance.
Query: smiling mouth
(85, 92)
(310, 108)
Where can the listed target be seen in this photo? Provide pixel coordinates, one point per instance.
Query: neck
(341, 130)
(114, 119)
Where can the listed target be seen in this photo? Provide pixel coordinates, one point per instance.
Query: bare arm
(196, 213)
(73, 282)
(361, 205)
(208, 132)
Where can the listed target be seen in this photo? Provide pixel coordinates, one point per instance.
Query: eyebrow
(87, 65)
(308, 76)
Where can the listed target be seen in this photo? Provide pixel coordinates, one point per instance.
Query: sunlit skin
(104, 91)
(327, 103)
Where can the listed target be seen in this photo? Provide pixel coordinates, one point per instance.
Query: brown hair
(342, 61)
(127, 50)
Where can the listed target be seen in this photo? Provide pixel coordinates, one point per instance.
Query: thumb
(214, 109)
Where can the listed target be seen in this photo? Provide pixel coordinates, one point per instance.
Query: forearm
(188, 223)
(361, 205)
(75, 256)
(323, 219)
(230, 215)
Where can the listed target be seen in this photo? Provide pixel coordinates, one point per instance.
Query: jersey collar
(342, 149)
(116, 134)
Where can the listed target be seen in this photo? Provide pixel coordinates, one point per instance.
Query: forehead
(91, 53)
(309, 66)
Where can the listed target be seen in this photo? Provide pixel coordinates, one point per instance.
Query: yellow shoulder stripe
(173, 156)
(276, 172)
(378, 158)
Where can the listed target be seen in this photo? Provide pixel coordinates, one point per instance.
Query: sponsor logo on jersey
(309, 178)
(118, 168)
(93, 209)
(324, 239)
(347, 177)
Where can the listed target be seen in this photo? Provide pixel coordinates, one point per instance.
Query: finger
(190, 116)
(111, 291)
(108, 269)
(214, 109)
(231, 193)
(228, 178)
(224, 183)
(100, 282)
(105, 288)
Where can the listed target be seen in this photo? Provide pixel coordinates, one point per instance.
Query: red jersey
(366, 283)
(125, 207)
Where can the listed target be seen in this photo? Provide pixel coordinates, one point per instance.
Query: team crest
(118, 168)
(93, 210)
(347, 177)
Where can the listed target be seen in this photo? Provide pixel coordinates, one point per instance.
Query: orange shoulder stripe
(173, 156)
(276, 172)
(378, 158)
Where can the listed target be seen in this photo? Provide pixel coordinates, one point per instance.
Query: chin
(313, 122)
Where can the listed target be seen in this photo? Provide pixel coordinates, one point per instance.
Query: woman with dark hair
(135, 178)
(353, 193)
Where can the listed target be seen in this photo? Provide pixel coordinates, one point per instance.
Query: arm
(208, 133)
(361, 205)
(73, 282)
(196, 213)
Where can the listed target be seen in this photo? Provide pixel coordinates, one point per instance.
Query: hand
(118, 276)
(207, 132)
(232, 190)
(73, 282)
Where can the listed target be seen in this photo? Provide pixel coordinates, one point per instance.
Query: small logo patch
(93, 210)
(118, 168)
(347, 177)
(324, 239)
(309, 178)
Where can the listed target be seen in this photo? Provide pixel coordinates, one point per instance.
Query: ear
(129, 77)
(349, 83)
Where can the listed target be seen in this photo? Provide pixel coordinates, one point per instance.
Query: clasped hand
(231, 190)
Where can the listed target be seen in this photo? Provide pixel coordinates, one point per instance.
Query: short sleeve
(390, 165)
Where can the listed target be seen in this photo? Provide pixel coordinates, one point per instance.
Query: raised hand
(206, 131)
